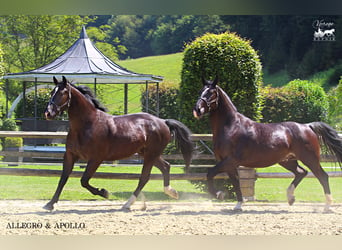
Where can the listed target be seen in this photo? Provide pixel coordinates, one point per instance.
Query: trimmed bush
(299, 101)
(238, 67)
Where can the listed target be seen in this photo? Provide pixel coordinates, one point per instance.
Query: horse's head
(60, 99)
(208, 99)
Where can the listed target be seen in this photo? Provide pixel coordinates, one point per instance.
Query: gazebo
(84, 63)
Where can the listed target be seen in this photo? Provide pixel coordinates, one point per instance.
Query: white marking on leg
(329, 201)
(130, 202)
(171, 192)
(290, 194)
(238, 206)
(220, 195)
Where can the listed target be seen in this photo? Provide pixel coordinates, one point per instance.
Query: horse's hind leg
(323, 178)
(144, 177)
(164, 167)
(299, 172)
(88, 173)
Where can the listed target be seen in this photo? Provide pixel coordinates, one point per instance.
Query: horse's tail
(329, 137)
(182, 138)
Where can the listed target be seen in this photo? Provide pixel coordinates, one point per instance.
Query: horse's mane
(89, 95)
(226, 99)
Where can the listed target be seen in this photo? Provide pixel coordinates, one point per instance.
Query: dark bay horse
(239, 141)
(96, 136)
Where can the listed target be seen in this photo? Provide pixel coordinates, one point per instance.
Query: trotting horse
(239, 141)
(96, 136)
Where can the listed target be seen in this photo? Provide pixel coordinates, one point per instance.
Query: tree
(30, 42)
(2, 95)
(111, 49)
(33, 41)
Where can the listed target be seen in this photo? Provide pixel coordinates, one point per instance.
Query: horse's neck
(81, 111)
(225, 114)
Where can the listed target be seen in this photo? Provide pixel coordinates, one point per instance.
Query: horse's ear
(65, 81)
(55, 80)
(215, 82)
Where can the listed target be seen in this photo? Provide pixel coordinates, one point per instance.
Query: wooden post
(247, 182)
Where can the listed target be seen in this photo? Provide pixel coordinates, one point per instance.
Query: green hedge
(238, 67)
(300, 101)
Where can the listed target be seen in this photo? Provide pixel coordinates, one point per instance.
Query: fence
(247, 176)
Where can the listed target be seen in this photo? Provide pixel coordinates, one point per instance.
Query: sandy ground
(18, 217)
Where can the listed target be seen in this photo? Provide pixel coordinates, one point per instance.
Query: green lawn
(168, 66)
(272, 190)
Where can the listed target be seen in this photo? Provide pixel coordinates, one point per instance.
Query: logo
(324, 31)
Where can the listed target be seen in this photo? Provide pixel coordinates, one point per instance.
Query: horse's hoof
(48, 207)
(291, 201)
(220, 195)
(328, 210)
(125, 209)
(171, 192)
(104, 193)
(238, 207)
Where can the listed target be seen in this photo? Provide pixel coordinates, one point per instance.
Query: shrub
(9, 125)
(43, 97)
(168, 108)
(335, 108)
(299, 101)
(13, 142)
(237, 65)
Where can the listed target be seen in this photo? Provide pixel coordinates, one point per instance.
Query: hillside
(168, 66)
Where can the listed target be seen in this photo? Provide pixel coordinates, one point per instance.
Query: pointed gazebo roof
(84, 63)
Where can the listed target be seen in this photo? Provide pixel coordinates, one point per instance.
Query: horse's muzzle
(198, 113)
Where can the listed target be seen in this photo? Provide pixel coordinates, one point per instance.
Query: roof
(84, 63)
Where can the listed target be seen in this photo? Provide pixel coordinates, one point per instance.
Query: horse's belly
(265, 160)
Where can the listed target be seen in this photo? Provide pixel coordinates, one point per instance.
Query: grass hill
(168, 66)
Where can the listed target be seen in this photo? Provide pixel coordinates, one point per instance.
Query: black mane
(89, 95)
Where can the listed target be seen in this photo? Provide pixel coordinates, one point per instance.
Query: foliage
(2, 94)
(237, 65)
(335, 107)
(7, 142)
(43, 97)
(32, 41)
(2, 70)
(145, 35)
(13, 142)
(300, 101)
(9, 125)
(167, 101)
(286, 42)
(100, 37)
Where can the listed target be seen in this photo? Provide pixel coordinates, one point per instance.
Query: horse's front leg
(212, 172)
(68, 164)
(234, 177)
